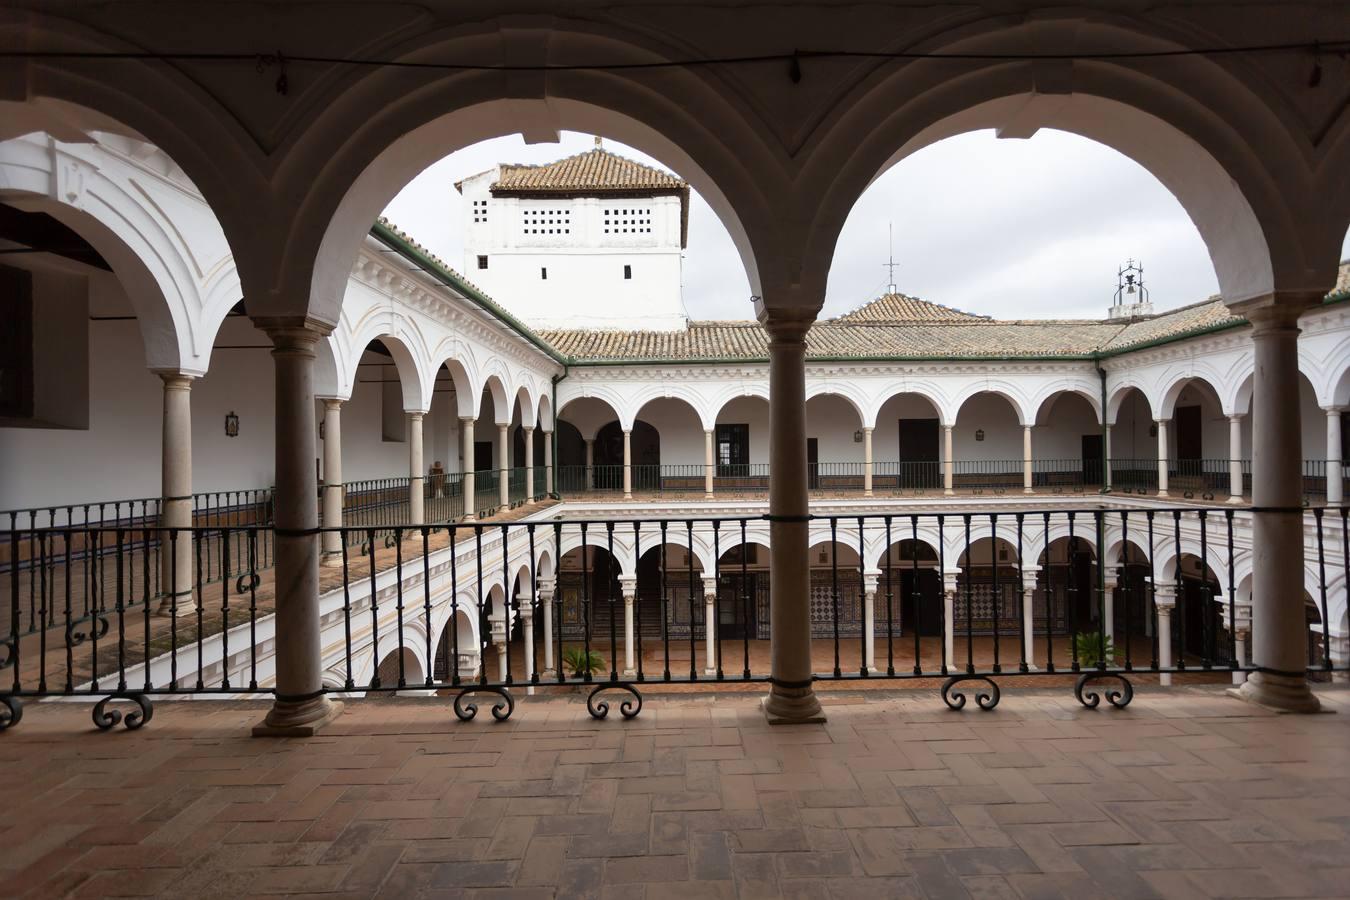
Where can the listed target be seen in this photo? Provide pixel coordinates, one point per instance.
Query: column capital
(787, 327)
(293, 333)
(1333, 411)
(468, 420)
(709, 587)
(1165, 596)
(333, 403)
(527, 428)
(628, 585)
(545, 586)
(415, 413)
(871, 577)
(1278, 310)
(175, 380)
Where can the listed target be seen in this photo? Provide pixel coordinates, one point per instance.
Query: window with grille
(546, 221)
(628, 220)
(480, 211)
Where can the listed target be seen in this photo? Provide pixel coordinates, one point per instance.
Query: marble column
(416, 471)
(1235, 485)
(1026, 459)
(1241, 630)
(500, 642)
(1335, 487)
(1106, 457)
(529, 462)
(628, 588)
(867, 461)
(627, 464)
(1030, 576)
(1165, 598)
(526, 601)
(544, 593)
(708, 465)
(503, 466)
(1278, 627)
(176, 557)
(588, 476)
(1162, 457)
(470, 502)
(948, 464)
(792, 696)
(548, 463)
(331, 541)
(710, 625)
(1108, 607)
(300, 706)
(871, 578)
(949, 620)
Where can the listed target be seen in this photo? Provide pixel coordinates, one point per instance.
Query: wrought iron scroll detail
(8, 648)
(105, 718)
(11, 712)
(501, 710)
(86, 628)
(1091, 699)
(956, 699)
(628, 708)
(246, 582)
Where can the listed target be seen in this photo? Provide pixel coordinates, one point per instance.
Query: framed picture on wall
(571, 606)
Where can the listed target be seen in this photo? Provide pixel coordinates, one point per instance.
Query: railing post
(707, 464)
(175, 556)
(331, 542)
(1235, 487)
(792, 696)
(416, 471)
(300, 707)
(466, 434)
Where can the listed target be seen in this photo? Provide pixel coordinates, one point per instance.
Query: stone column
(300, 707)
(527, 633)
(1026, 459)
(548, 463)
(176, 557)
(792, 696)
(870, 579)
(503, 466)
(949, 618)
(1340, 653)
(710, 625)
(544, 593)
(529, 462)
(627, 464)
(470, 503)
(1241, 629)
(500, 636)
(1278, 627)
(1165, 598)
(1109, 605)
(867, 461)
(1335, 490)
(332, 482)
(628, 587)
(1106, 456)
(588, 476)
(1162, 456)
(1030, 575)
(708, 465)
(948, 464)
(1235, 486)
(416, 471)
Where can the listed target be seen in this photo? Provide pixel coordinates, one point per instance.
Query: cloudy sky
(1011, 228)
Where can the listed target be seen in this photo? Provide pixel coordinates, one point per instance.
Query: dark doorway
(1202, 633)
(645, 446)
(1188, 433)
(737, 601)
(482, 456)
(733, 451)
(920, 601)
(920, 460)
(1092, 459)
(813, 463)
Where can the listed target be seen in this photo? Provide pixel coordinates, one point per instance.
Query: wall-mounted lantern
(857, 436)
(231, 424)
(979, 434)
(1153, 430)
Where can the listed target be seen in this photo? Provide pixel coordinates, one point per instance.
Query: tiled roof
(596, 171)
(903, 308)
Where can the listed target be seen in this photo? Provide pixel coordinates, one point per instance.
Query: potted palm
(1094, 648)
(580, 662)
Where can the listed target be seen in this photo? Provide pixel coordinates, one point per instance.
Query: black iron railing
(961, 596)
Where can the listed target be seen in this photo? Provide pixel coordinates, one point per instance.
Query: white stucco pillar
(300, 706)
(1106, 456)
(545, 595)
(331, 541)
(710, 624)
(1030, 575)
(1335, 490)
(529, 462)
(792, 696)
(628, 465)
(1235, 486)
(548, 463)
(1109, 605)
(1162, 456)
(1165, 597)
(416, 471)
(470, 502)
(503, 466)
(948, 463)
(949, 618)
(527, 633)
(708, 464)
(867, 461)
(500, 634)
(176, 557)
(870, 579)
(628, 588)
(1241, 630)
(588, 476)
(1278, 627)
(1026, 459)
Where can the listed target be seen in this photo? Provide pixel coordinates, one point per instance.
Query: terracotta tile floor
(1186, 794)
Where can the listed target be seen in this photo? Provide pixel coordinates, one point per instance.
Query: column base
(304, 719)
(627, 496)
(867, 493)
(629, 673)
(792, 706)
(1162, 493)
(331, 560)
(1236, 498)
(1281, 693)
(167, 602)
(1027, 490)
(948, 492)
(708, 495)
(710, 672)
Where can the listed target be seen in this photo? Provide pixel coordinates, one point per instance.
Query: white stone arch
(446, 612)
(893, 389)
(461, 362)
(1115, 546)
(927, 534)
(588, 424)
(1174, 382)
(544, 419)
(177, 271)
(1333, 389)
(1051, 392)
(1167, 558)
(406, 344)
(544, 565)
(850, 393)
(677, 391)
(1008, 390)
(572, 539)
(1121, 385)
(718, 401)
(526, 400)
(700, 548)
(494, 382)
(729, 535)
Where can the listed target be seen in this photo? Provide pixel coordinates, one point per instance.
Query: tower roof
(898, 309)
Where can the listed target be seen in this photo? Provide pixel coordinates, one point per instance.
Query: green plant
(1094, 647)
(580, 662)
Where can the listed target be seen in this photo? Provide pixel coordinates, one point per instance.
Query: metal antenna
(890, 266)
